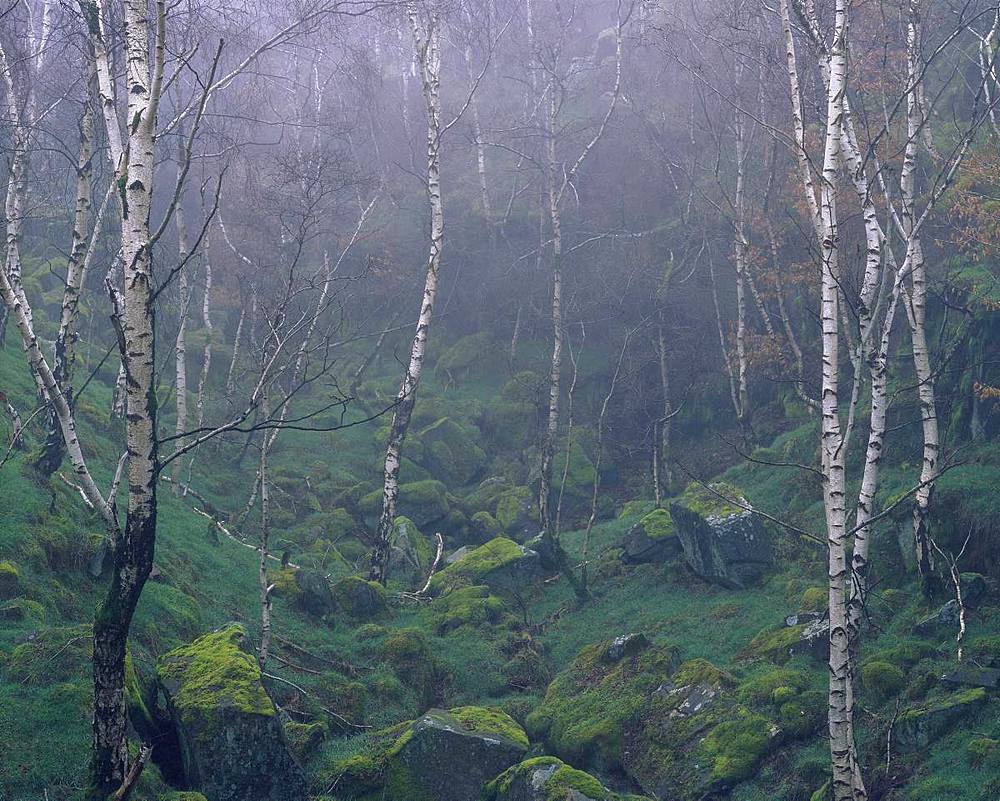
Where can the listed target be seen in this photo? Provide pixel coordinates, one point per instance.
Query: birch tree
(425, 23)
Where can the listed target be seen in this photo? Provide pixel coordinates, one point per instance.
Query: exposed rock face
(231, 741)
(441, 756)
(724, 544)
(652, 539)
(547, 778)
(316, 598)
(916, 728)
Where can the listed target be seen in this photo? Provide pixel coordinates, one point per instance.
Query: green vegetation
(478, 564)
(215, 672)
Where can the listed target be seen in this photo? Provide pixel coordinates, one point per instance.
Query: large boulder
(652, 539)
(231, 741)
(360, 600)
(410, 553)
(314, 594)
(916, 728)
(626, 708)
(692, 739)
(441, 756)
(500, 564)
(723, 542)
(547, 778)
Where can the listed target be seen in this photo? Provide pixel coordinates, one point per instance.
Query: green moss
(882, 679)
(468, 352)
(10, 580)
(760, 688)
(490, 721)
(658, 524)
(214, 671)
(486, 526)
(735, 747)
(304, 738)
(700, 671)
(775, 643)
(587, 706)
(182, 795)
(563, 783)
(814, 599)
(475, 565)
(423, 501)
(637, 507)
(284, 583)
(709, 504)
(467, 606)
(802, 715)
(980, 749)
(513, 505)
(783, 695)
(55, 655)
(360, 599)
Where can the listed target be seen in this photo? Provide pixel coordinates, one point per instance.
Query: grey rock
(623, 646)
(732, 551)
(945, 617)
(989, 678)
(99, 562)
(638, 547)
(315, 598)
(449, 762)
(537, 780)
(975, 589)
(804, 618)
(232, 746)
(917, 728)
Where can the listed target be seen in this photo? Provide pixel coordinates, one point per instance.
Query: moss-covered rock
(441, 756)
(693, 739)
(587, 707)
(10, 581)
(452, 451)
(314, 595)
(360, 600)
(500, 563)
(547, 778)
(882, 680)
(919, 726)
(652, 539)
(424, 502)
(55, 655)
(485, 527)
(723, 542)
(410, 552)
(467, 606)
(231, 742)
(304, 738)
(517, 511)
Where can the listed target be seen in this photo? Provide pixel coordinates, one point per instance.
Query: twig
(123, 792)
(339, 718)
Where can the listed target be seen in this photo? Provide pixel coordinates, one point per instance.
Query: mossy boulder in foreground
(441, 756)
(360, 600)
(548, 778)
(231, 741)
(723, 541)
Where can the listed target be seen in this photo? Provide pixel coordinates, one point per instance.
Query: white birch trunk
(426, 37)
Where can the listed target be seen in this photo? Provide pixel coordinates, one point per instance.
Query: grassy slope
(44, 718)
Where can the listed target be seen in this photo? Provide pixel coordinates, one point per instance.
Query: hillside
(516, 645)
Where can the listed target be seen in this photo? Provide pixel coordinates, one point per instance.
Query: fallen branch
(339, 718)
(123, 792)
